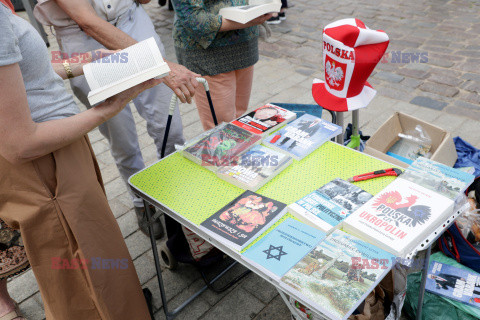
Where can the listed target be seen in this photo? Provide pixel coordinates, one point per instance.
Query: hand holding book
(113, 105)
(228, 25)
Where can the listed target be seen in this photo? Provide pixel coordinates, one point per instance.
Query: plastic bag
(434, 306)
(413, 144)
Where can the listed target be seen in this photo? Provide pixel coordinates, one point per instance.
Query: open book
(255, 8)
(124, 69)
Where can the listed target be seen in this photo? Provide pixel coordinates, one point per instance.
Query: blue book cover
(454, 283)
(303, 135)
(284, 246)
(438, 177)
(329, 205)
(338, 274)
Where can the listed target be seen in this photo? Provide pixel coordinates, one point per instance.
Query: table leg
(423, 283)
(153, 242)
(340, 123)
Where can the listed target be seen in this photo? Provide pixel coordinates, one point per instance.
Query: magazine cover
(264, 119)
(338, 274)
(242, 220)
(303, 135)
(257, 166)
(283, 247)
(438, 177)
(222, 146)
(454, 283)
(329, 205)
(399, 217)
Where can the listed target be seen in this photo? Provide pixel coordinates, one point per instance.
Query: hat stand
(355, 137)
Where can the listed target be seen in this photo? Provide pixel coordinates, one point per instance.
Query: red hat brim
(331, 102)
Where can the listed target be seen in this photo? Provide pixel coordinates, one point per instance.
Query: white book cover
(122, 70)
(255, 8)
(399, 217)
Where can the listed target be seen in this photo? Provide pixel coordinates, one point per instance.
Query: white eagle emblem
(335, 75)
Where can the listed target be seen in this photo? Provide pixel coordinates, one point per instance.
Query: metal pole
(157, 261)
(423, 283)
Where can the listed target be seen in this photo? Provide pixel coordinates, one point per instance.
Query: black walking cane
(173, 104)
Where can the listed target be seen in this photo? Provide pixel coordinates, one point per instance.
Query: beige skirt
(72, 240)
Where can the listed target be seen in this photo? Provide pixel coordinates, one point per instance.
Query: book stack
(256, 167)
(265, 119)
(221, 146)
(326, 207)
(302, 136)
(410, 208)
(242, 220)
(338, 274)
(282, 248)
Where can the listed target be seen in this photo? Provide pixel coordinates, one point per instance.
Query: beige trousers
(230, 94)
(73, 242)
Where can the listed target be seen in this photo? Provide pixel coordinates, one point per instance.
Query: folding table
(190, 193)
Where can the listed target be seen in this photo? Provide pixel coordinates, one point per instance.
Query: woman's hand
(259, 20)
(97, 54)
(78, 61)
(228, 25)
(113, 105)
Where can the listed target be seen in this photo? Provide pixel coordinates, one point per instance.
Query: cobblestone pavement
(442, 89)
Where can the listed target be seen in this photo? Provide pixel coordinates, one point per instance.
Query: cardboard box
(443, 149)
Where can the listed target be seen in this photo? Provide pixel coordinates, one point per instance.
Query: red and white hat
(350, 53)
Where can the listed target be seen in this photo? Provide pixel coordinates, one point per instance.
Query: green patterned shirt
(202, 48)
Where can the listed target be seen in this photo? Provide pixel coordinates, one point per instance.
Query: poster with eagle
(399, 217)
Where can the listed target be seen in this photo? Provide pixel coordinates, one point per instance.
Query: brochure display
(176, 185)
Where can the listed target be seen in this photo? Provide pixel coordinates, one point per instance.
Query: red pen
(375, 174)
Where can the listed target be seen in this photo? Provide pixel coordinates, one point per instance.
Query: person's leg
(120, 131)
(7, 304)
(222, 90)
(153, 104)
(244, 80)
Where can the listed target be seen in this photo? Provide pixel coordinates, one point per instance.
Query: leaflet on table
(283, 247)
(454, 283)
(338, 274)
(303, 135)
(438, 177)
(265, 119)
(256, 167)
(399, 217)
(221, 146)
(243, 219)
(326, 207)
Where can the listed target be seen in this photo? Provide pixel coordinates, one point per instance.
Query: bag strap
(9, 4)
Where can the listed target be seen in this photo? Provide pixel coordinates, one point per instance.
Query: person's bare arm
(228, 25)
(77, 62)
(24, 140)
(181, 80)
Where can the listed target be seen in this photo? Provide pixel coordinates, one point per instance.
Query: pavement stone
(443, 91)
(428, 103)
(239, 304)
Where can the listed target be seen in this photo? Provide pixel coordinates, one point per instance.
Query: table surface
(195, 193)
(191, 193)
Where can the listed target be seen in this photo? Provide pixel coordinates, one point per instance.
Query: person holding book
(51, 188)
(85, 25)
(223, 51)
